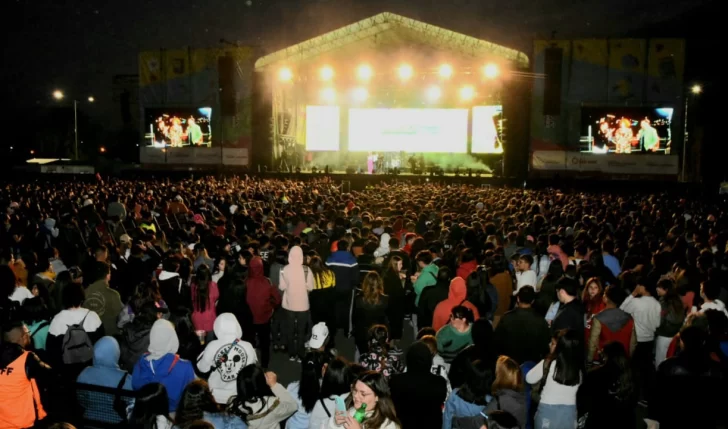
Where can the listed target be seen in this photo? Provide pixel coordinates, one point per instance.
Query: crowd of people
(159, 304)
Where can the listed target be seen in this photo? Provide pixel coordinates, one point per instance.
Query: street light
(59, 95)
(695, 90)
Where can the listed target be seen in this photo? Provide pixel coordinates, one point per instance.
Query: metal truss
(387, 21)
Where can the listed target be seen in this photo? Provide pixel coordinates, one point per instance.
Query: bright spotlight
(58, 94)
(364, 72)
(285, 74)
(405, 71)
(327, 73)
(467, 93)
(361, 95)
(445, 71)
(491, 71)
(434, 93)
(328, 95)
(91, 99)
(696, 89)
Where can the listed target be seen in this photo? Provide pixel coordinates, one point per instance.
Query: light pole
(694, 90)
(58, 95)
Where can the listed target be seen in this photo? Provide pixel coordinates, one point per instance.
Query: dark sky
(79, 45)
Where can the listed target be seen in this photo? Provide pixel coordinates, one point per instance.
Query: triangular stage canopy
(391, 29)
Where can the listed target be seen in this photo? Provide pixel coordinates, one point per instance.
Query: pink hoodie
(294, 282)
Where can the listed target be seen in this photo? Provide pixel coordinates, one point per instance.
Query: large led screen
(408, 130)
(487, 129)
(178, 127)
(322, 128)
(626, 129)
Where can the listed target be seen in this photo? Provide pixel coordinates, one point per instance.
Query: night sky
(79, 45)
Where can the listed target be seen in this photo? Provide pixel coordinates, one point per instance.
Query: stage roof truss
(378, 24)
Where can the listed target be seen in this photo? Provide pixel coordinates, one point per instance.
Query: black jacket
(418, 395)
(689, 391)
(570, 316)
(523, 335)
(133, 342)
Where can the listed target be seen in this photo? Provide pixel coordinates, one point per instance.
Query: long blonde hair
(508, 375)
(372, 288)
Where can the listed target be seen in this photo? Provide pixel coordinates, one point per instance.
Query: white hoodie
(226, 356)
(714, 305)
(383, 246)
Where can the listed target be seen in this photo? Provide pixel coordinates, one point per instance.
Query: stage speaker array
(226, 79)
(553, 62)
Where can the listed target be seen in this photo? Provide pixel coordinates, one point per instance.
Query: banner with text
(578, 162)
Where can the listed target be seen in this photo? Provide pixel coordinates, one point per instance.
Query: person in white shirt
(646, 311)
(525, 276)
(710, 291)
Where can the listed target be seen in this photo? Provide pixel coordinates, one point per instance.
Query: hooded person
(262, 298)
(383, 248)
(225, 356)
(162, 364)
(296, 282)
(419, 395)
(456, 296)
(105, 372)
(134, 338)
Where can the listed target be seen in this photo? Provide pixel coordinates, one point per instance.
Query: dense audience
(159, 304)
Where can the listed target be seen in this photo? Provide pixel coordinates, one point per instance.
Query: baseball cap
(125, 238)
(319, 333)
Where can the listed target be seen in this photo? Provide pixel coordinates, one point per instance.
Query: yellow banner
(667, 58)
(593, 51)
(627, 55)
(177, 63)
(150, 68)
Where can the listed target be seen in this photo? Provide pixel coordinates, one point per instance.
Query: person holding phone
(369, 389)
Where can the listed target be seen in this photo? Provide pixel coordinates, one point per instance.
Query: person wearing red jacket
(611, 325)
(592, 297)
(262, 299)
(456, 297)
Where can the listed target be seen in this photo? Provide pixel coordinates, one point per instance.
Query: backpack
(77, 347)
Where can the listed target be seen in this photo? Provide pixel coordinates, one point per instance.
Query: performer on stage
(175, 133)
(648, 137)
(194, 132)
(623, 137)
(370, 162)
(604, 137)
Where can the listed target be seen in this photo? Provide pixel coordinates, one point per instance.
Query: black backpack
(478, 292)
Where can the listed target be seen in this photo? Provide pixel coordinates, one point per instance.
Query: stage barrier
(195, 156)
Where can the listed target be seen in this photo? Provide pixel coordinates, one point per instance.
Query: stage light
(696, 89)
(361, 95)
(445, 71)
(91, 99)
(58, 94)
(405, 71)
(364, 72)
(285, 74)
(467, 93)
(434, 93)
(102, 149)
(328, 95)
(491, 71)
(327, 73)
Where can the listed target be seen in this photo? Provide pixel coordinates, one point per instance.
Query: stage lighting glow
(328, 95)
(434, 93)
(91, 99)
(467, 93)
(58, 94)
(491, 71)
(364, 72)
(445, 71)
(696, 89)
(327, 73)
(361, 95)
(285, 74)
(405, 71)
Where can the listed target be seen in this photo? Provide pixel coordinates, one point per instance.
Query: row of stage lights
(433, 94)
(405, 72)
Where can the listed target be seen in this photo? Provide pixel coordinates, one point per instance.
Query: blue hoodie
(346, 270)
(105, 371)
(162, 365)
